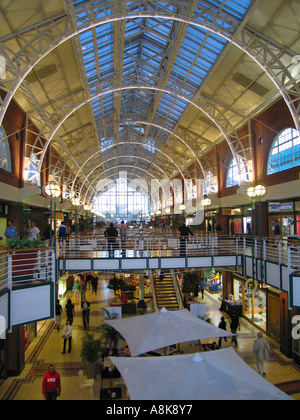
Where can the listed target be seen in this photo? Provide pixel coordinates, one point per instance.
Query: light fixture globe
(251, 192)
(260, 190)
(51, 189)
(206, 202)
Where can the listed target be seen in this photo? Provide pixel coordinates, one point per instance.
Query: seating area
(47, 348)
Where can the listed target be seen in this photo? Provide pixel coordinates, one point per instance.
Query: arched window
(285, 152)
(233, 176)
(5, 158)
(31, 174)
(209, 186)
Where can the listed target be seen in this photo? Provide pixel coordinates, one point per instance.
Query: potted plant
(91, 353)
(115, 284)
(189, 282)
(109, 334)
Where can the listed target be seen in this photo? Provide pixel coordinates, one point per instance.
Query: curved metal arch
(206, 25)
(121, 166)
(103, 163)
(131, 142)
(113, 90)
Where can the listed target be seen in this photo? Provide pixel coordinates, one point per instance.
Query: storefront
(214, 281)
(260, 305)
(287, 215)
(239, 220)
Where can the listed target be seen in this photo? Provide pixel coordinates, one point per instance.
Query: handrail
(18, 266)
(201, 244)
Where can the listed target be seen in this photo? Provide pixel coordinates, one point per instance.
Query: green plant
(189, 282)
(90, 349)
(108, 332)
(115, 283)
(25, 243)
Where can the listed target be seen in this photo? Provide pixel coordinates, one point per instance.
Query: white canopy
(213, 375)
(154, 331)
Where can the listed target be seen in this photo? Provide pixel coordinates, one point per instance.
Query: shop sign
(274, 207)
(2, 327)
(251, 285)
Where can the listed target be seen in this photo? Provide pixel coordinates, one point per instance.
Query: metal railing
(149, 245)
(22, 267)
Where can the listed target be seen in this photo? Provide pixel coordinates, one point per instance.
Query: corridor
(47, 348)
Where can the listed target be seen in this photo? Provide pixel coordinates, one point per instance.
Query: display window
(254, 302)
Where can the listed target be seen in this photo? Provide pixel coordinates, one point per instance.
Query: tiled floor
(47, 348)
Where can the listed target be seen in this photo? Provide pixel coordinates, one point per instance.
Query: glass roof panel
(148, 43)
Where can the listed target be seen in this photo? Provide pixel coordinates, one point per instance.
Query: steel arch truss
(38, 41)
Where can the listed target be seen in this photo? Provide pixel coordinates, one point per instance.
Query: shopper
(123, 232)
(184, 232)
(234, 326)
(85, 307)
(222, 326)
(67, 336)
(51, 386)
(76, 289)
(111, 234)
(70, 310)
(11, 230)
(95, 283)
(202, 287)
(34, 232)
(261, 351)
(58, 314)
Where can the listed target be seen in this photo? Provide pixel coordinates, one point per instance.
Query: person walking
(58, 312)
(202, 287)
(111, 234)
(70, 310)
(261, 352)
(123, 231)
(85, 307)
(34, 232)
(234, 326)
(82, 289)
(184, 232)
(67, 336)
(76, 289)
(51, 385)
(222, 326)
(95, 283)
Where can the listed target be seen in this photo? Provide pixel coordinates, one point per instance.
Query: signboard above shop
(278, 207)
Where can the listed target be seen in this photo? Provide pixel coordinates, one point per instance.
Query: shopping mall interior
(154, 146)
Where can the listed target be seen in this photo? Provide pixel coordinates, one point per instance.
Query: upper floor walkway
(28, 277)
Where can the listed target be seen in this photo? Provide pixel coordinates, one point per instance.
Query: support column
(141, 303)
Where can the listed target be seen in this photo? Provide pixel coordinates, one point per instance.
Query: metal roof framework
(146, 71)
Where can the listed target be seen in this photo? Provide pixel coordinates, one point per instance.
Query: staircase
(165, 292)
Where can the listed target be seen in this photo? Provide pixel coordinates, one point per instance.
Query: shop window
(237, 173)
(285, 152)
(5, 158)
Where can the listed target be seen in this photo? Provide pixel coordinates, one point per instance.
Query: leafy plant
(25, 243)
(90, 349)
(115, 284)
(108, 332)
(189, 282)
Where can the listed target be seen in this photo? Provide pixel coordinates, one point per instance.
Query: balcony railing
(148, 245)
(20, 268)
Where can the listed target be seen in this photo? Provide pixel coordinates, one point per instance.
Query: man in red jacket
(51, 384)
